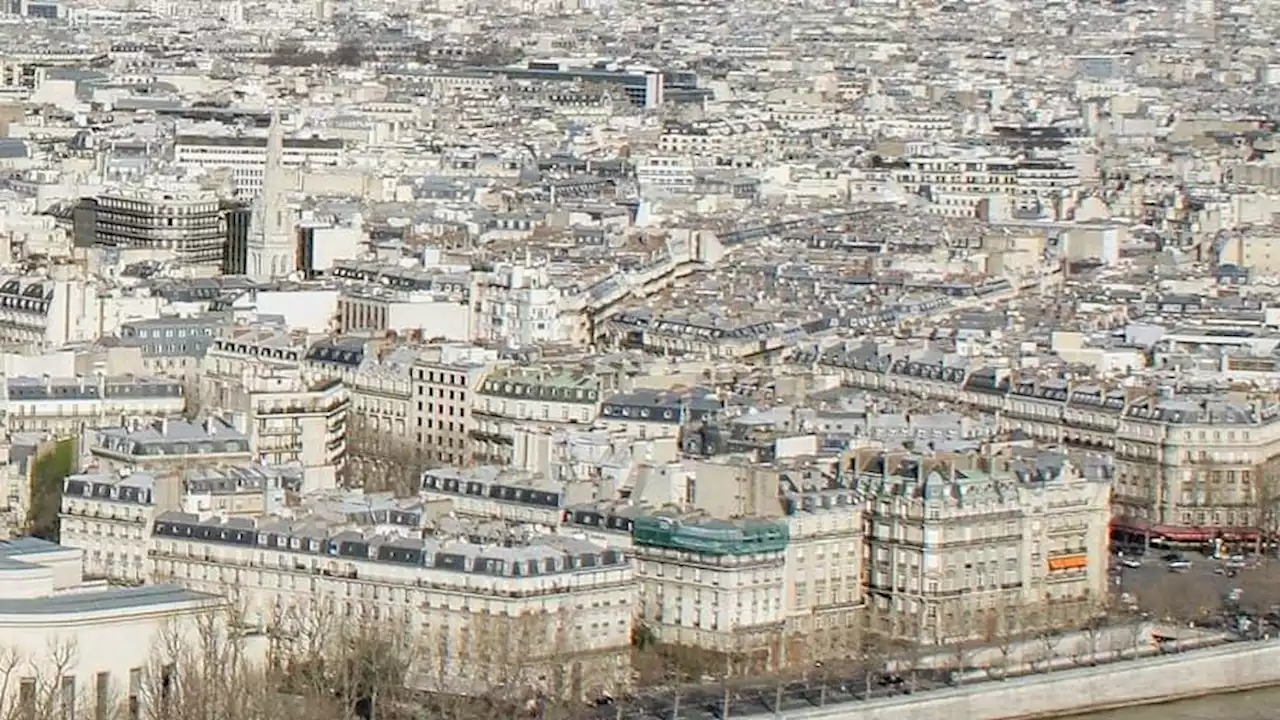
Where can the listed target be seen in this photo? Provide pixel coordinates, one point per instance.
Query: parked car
(1130, 562)
(1179, 565)
(891, 681)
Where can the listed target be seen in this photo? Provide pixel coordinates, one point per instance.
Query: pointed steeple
(273, 181)
(272, 252)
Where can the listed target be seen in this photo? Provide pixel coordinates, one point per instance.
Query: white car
(1131, 562)
(1179, 564)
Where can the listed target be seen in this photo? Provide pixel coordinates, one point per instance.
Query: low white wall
(1189, 674)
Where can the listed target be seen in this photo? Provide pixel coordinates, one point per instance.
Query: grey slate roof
(104, 601)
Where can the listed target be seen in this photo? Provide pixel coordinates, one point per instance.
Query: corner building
(959, 547)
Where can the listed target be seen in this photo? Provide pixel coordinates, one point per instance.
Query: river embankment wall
(1195, 673)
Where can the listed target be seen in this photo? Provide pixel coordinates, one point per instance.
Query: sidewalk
(1067, 650)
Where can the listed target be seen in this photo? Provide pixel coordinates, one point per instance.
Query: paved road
(1200, 589)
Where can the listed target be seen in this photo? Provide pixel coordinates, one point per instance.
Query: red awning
(1185, 533)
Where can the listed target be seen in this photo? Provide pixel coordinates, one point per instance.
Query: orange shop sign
(1068, 562)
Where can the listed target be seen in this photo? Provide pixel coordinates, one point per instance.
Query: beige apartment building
(291, 411)
(713, 584)
(1192, 469)
(763, 591)
(445, 381)
(521, 398)
(824, 520)
(551, 614)
(824, 563)
(1258, 253)
(290, 420)
(109, 515)
(67, 406)
(381, 399)
(244, 349)
(958, 547)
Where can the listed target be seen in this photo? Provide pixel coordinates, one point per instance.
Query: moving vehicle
(1179, 565)
(1131, 562)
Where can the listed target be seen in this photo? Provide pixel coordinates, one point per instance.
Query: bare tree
(42, 684)
(11, 661)
(201, 667)
(431, 672)
(1137, 633)
(835, 639)
(358, 656)
(1093, 631)
(960, 628)
(1266, 502)
(38, 686)
(874, 648)
(1002, 630)
(381, 462)
(1042, 621)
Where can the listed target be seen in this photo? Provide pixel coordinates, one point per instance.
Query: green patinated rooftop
(710, 537)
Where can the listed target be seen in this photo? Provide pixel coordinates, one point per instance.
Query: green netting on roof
(710, 537)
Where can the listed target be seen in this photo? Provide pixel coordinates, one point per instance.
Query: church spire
(273, 181)
(272, 248)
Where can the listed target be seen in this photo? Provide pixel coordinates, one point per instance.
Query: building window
(68, 699)
(27, 699)
(135, 694)
(102, 696)
(168, 679)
